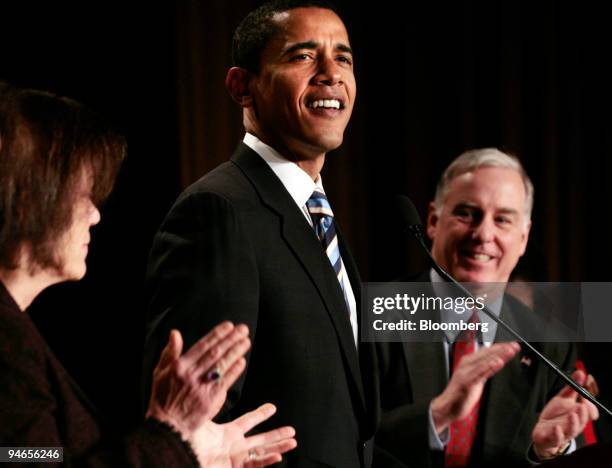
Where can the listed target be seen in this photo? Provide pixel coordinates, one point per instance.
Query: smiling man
(255, 241)
(491, 404)
(480, 220)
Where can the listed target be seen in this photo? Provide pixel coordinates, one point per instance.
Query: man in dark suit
(254, 241)
(507, 406)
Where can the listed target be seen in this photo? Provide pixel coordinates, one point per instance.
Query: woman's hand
(225, 445)
(189, 390)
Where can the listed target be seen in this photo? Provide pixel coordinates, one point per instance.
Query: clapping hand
(562, 419)
(189, 390)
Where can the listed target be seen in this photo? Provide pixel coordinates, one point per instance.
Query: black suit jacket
(41, 406)
(412, 374)
(235, 246)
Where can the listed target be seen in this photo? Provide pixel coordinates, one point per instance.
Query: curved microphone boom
(412, 223)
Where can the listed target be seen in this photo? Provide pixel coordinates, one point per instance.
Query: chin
(328, 141)
(75, 273)
(464, 276)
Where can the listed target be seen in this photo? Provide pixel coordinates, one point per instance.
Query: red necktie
(463, 432)
(589, 430)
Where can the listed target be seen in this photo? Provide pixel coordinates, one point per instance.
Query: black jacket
(235, 246)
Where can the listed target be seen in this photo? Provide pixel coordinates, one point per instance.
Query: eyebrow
(508, 211)
(473, 206)
(313, 45)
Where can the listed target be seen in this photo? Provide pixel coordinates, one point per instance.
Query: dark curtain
(434, 80)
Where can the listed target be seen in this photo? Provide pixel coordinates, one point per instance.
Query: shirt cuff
(533, 459)
(437, 441)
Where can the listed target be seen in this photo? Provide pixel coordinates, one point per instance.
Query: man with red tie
(474, 400)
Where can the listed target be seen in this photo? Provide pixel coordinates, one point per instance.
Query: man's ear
(432, 220)
(237, 83)
(525, 237)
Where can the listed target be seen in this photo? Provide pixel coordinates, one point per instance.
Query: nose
(484, 230)
(94, 214)
(328, 72)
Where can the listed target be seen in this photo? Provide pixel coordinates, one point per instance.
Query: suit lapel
(302, 241)
(426, 365)
(426, 362)
(367, 350)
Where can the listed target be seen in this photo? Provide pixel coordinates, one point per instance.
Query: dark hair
(255, 30)
(46, 142)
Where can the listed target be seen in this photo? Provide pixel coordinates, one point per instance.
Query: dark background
(433, 80)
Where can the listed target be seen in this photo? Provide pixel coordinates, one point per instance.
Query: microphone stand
(417, 231)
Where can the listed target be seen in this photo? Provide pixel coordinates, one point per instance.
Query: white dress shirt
(300, 186)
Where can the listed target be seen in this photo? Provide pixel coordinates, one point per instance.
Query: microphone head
(409, 216)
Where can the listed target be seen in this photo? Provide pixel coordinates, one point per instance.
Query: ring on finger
(213, 375)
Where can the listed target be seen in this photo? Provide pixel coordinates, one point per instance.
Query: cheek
(455, 233)
(449, 244)
(514, 244)
(282, 86)
(352, 88)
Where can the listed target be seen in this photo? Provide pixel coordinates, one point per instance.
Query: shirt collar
(442, 289)
(296, 181)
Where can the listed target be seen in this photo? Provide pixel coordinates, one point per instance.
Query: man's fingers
(483, 369)
(504, 351)
(488, 361)
(553, 437)
(592, 409)
(249, 420)
(579, 376)
(207, 342)
(582, 411)
(558, 436)
(591, 385)
(493, 366)
(567, 392)
(575, 426)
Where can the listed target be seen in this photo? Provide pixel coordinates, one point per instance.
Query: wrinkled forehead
(488, 187)
(308, 24)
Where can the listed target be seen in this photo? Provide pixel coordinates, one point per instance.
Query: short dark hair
(46, 142)
(257, 28)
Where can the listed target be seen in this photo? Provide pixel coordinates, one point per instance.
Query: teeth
(326, 104)
(481, 257)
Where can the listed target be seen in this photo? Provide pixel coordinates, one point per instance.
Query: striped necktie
(323, 223)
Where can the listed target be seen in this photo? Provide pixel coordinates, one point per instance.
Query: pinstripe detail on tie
(323, 224)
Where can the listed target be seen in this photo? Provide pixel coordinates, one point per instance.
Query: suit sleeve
(202, 270)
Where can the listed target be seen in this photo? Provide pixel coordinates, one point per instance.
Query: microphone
(411, 222)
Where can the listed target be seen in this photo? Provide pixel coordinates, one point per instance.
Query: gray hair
(484, 157)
